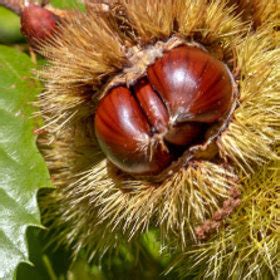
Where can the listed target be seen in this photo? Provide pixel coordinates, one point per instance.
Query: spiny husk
(258, 12)
(249, 247)
(89, 50)
(251, 137)
(94, 206)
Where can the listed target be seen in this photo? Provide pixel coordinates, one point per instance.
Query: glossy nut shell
(142, 129)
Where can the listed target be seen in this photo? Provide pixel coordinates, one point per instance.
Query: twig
(15, 6)
(211, 225)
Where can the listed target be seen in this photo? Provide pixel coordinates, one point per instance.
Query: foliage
(22, 168)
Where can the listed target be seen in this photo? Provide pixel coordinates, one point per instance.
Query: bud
(37, 23)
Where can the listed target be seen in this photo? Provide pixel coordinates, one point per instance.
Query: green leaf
(49, 264)
(9, 27)
(68, 4)
(22, 169)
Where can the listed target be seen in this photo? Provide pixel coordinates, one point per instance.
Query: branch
(15, 6)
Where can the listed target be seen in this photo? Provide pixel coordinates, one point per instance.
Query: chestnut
(143, 128)
(125, 135)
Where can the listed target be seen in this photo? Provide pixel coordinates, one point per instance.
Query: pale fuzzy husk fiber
(94, 207)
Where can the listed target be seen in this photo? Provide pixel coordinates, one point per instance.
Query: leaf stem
(49, 268)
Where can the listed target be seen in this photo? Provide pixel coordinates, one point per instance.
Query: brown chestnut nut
(37, 23)
(193, 85)
(141, 129)
(125, 136)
